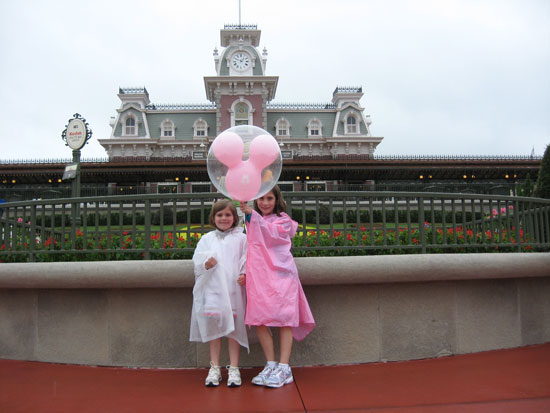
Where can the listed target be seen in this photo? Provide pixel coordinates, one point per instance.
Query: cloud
(441, 77)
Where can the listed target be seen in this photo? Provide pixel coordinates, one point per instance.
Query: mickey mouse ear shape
(263, 150)
(228, 148)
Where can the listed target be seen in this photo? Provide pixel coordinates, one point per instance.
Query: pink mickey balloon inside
(243, 181)
(244, 162)
(228, 148)
(263, 150)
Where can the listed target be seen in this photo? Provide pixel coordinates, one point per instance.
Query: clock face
(240, 61)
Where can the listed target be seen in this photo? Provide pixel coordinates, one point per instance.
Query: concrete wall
(367, 309)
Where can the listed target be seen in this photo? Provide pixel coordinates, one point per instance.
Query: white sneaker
(261, 378)
(233, 377)
(279, 377)
(214, 376)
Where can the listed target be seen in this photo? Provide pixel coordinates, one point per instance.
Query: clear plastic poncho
(219, 302)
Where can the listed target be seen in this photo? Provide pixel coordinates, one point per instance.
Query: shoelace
(214, 372)
(280, 372)
(267, 371)
(233, 372)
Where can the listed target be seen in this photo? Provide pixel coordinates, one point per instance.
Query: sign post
(75, 135)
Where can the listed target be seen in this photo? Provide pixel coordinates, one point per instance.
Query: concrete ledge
(367, 309)
(313, 271)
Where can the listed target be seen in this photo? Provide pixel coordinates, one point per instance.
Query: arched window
(314, 128)
(351, 124)
(241, 114)
(282, 127)
(167, 129)
(130, 126)
(200, 128)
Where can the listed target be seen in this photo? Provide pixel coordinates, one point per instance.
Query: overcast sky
(439, 77)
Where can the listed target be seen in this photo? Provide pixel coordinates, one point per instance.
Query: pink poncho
(274, 293)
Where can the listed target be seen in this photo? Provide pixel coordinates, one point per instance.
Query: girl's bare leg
(234, 352)
(285, 342)
(215, 350)
(266, 341)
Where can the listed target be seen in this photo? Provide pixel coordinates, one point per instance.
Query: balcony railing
(167, 226)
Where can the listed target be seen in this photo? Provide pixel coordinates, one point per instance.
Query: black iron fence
(168, 226)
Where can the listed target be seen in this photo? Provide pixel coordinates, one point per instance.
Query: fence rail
(167, 226)
(64, 191)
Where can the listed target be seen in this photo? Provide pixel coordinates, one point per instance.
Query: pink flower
(19, 220)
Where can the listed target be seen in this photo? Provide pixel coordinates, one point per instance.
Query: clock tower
(241, 89)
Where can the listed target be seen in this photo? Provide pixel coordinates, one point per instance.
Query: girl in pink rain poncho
(219, 298)
(275, 297)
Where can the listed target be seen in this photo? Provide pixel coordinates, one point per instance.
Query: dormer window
(282, 128)
(351, 124)
(314, 128)
(167, 129)
(200, 128)
(130, 128)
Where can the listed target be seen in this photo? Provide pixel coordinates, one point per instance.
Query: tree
(542, 188)
(526, 188)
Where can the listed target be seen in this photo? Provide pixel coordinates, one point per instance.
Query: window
(351, 123)
(241, 114)
(167, 129)
(316, 187)
(200, 127)
(282, 127)
(167, 188)
(314, 128)
(130, 126)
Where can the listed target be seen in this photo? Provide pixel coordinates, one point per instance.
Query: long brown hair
(280, 203)
(222, 204)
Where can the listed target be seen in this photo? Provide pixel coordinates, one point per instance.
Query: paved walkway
(515, 380)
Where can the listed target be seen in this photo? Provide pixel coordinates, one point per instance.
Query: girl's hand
(210, 262)
(241, 280)
(245, 208)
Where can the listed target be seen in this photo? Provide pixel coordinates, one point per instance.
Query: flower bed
(306, 243)
(403, 241)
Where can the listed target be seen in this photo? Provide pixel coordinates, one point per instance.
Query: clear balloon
(244, 162)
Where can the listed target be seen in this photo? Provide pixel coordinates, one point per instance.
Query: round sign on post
(76, 134)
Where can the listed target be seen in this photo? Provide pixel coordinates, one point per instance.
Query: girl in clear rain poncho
(219, 298)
